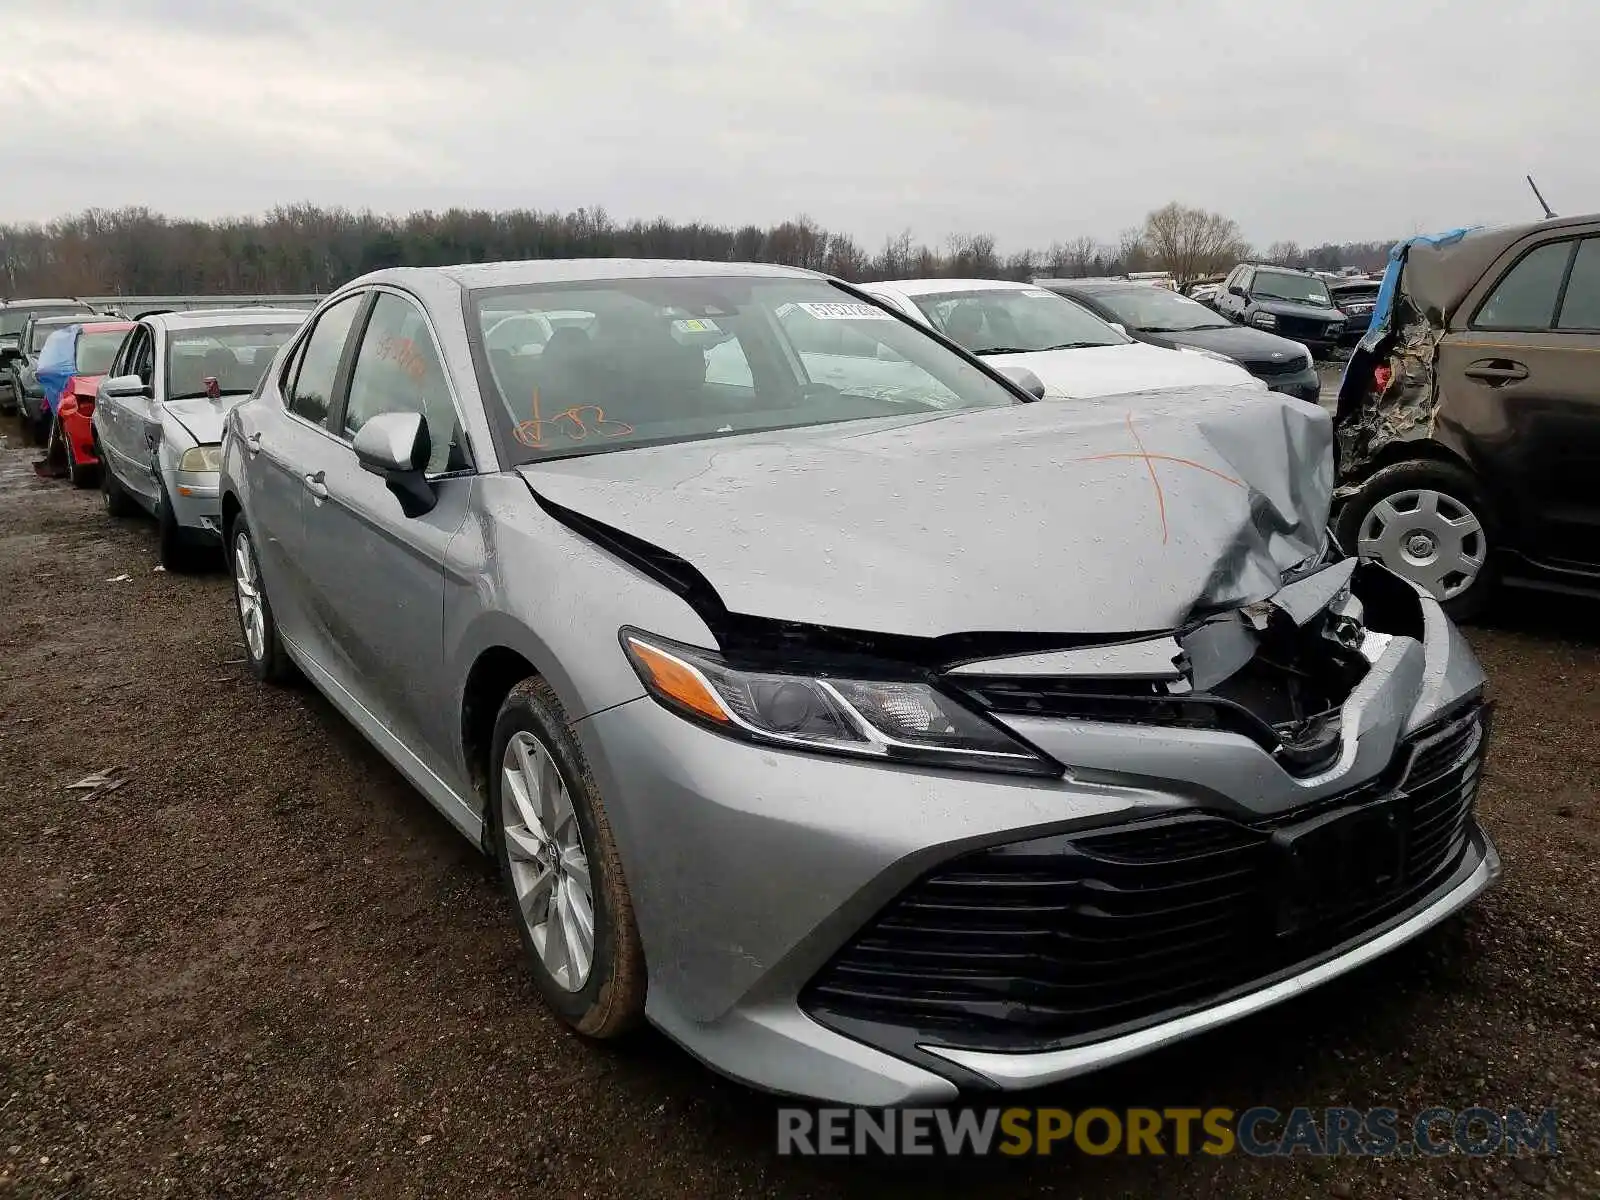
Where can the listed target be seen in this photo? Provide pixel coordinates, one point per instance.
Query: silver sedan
(875, 734)
(158, 416)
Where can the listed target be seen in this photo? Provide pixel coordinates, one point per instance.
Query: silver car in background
(158, 416)
(874, 735)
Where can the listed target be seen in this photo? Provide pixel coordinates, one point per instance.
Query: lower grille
(1082, 936)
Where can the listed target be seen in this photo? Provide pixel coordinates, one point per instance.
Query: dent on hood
(1045, 524)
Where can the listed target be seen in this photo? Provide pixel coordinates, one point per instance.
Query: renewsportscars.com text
(1258, 1132)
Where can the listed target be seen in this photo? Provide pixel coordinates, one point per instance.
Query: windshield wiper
(1004, 350)
(200, 395)
(1076, 346)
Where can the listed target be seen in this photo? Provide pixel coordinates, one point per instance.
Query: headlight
(1264, 320)
(1202, 351)
(892, 720)
(201, 459)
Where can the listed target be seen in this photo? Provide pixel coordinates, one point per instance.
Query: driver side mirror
(1119, 327)
(396, 446)
(1025, 379)
(125, 387)
(1235, 290)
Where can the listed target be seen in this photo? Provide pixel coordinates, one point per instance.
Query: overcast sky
(1033, 120)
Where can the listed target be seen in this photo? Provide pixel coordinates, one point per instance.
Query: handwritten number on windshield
(573, 423)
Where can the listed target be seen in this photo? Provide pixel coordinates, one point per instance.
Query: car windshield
(1284, 285)
(1015, 320)
(634, 362)
(97, 349)
(13, 319)
(236, 356)
(1156, 310)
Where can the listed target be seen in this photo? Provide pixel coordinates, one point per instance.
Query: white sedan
(1073, 352)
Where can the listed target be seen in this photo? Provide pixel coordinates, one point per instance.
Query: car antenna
(1548, 215)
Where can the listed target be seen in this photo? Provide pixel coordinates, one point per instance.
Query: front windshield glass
(1283, 285)
(13, 319)
(1015, 320)
(97, 349)
(1156, 310)
(236, 356)
(590, 367)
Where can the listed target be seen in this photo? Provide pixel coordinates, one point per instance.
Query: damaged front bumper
(875, 934)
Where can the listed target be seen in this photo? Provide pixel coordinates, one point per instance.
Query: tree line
(303, 248)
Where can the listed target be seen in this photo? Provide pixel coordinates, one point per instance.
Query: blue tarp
(1383, 306)
(58, 362)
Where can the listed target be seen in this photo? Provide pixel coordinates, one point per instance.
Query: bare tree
(1287, 254)
(1191, 242)
(1132, 252)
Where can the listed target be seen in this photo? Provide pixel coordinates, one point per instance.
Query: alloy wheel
(549, 865)
(247, 586)
(1428, 537)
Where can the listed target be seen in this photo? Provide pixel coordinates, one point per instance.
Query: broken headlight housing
(896, 720)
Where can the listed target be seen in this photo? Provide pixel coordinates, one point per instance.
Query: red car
(72, 436)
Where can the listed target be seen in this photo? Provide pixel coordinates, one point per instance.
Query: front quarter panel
(518, 579)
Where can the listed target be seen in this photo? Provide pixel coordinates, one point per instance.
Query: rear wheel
(81, 474)
(1430, 523)
(562, 869)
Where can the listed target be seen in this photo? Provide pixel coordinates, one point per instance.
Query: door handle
(252, 443)
(1497, 372)
(316, 486)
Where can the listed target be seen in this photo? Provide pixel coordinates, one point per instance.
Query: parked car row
(885, 691)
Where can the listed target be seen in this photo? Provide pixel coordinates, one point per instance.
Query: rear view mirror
(396, 446)
(125, 386)
(1026, 380)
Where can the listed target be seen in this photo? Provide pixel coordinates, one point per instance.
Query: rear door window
(1526, 297)
(311, 393)
(1580, 306)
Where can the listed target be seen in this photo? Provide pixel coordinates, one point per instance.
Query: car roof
(1279, 267)
(107, 326)
(1101, 285)
(923, 287)
(62, 318)
(41, 302)
(575, 270)
(222, 318)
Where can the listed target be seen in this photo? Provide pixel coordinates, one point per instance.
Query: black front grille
(1081, 936)
(1309, 328)
(1276, 366)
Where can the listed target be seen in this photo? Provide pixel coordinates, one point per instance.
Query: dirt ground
(264, 966)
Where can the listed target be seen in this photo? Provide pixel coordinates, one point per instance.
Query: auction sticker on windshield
(839, 310)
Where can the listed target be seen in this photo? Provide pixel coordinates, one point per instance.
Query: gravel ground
(264, 966)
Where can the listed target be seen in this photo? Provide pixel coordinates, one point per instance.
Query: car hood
(202, 416)
(1294, 308)
(1043, 518)
(1115, 370)
(1236, 341)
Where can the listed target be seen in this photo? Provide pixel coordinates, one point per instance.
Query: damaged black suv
(1468, 423)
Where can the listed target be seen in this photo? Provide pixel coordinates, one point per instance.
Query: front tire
(561, 868)
(117, 501)
(1431, 523)
(264, 652)
(178, 551)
